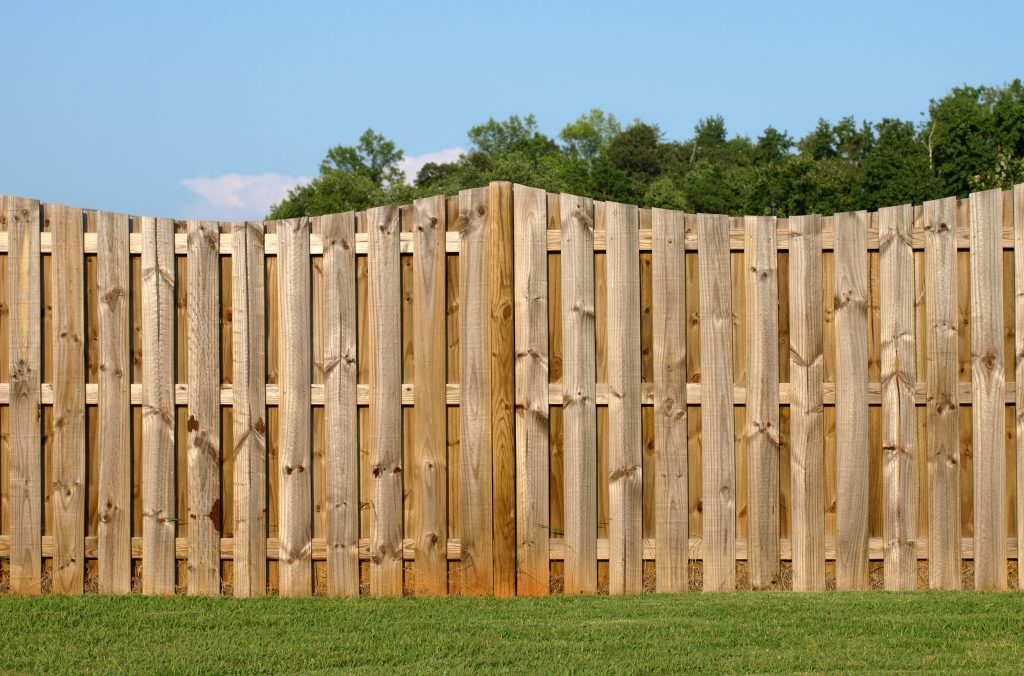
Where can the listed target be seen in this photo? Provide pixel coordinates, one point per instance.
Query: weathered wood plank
(1018, 239)
(899, 378)
(988, 377)
(579, 409)
(668, 282)
(806, 372)
(502, 346)
(25, 457)
(625, 460)
(68, 490)
(295, 444)
(851, 431)
(204, 458)
(430, 418)
(115, 480)
(341, 424)
(159, 515)
(249, 412)
(718, 459)
(475, 376)
(943, 424)
(531, 403)
(762, 433)
(384, 350)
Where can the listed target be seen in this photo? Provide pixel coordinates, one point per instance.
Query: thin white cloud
(238, 196)
(412, 164)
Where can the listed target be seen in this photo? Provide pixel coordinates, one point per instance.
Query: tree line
(971, 139)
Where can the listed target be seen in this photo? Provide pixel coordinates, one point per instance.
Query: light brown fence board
(579, 408)
(806, 366)
(899, 378)
(159, 514)
(943, 437)
(718, 458)
(69, 482)
(203, 429)
(762, 380)
(988, 381)
(531, 381)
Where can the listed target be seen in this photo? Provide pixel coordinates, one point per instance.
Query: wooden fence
(512, 392)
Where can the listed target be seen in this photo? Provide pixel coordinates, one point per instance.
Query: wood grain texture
(249, 409)
(115, 453)
(1018, 259)
(988, 379)
(68, 489)
(385, 422)
(625, 458)
(718, 459)
(159, 515)
(203, 428)
(24, 444)
(851, 431)
(475, 376)
(531, 381)
(762, 366)
(806, 372)
(943, 437)
(502, 345)
(668, 287)
(429, 470)
(341, 423)
(295, 442)
(578, 408)
(899, 378)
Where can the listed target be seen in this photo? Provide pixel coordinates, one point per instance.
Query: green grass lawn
(693, 632)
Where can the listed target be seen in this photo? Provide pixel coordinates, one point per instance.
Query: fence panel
(511, 392)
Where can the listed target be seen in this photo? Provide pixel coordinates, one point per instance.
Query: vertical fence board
(158, 431)
(806, 368)
(341, 429)
(249, 409)
(115, 452)
(474, 410)
(988, 384)
(943, 427)
(579, 394)
(502, 345)
(762, 357)
(531, 404)
(295, 441)
(429, 469)
(851, 431)
(899, 377)
(204, 459)
(1018, 245)
(625, 459)
(385, 345)
(668, 287)
(718, 439)
(25, 456)
(68, 491)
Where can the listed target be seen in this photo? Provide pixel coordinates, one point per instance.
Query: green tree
(375, 157)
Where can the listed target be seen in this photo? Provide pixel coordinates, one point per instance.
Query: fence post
(502, 330)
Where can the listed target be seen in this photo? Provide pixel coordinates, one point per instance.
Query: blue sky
(211, 109)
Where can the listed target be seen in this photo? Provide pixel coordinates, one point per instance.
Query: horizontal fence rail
(512, 392)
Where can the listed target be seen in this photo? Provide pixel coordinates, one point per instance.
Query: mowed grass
(744, 632)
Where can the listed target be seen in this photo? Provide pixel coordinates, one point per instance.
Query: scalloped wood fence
(512, 392)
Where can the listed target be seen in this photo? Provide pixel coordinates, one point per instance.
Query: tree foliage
(970, 139)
